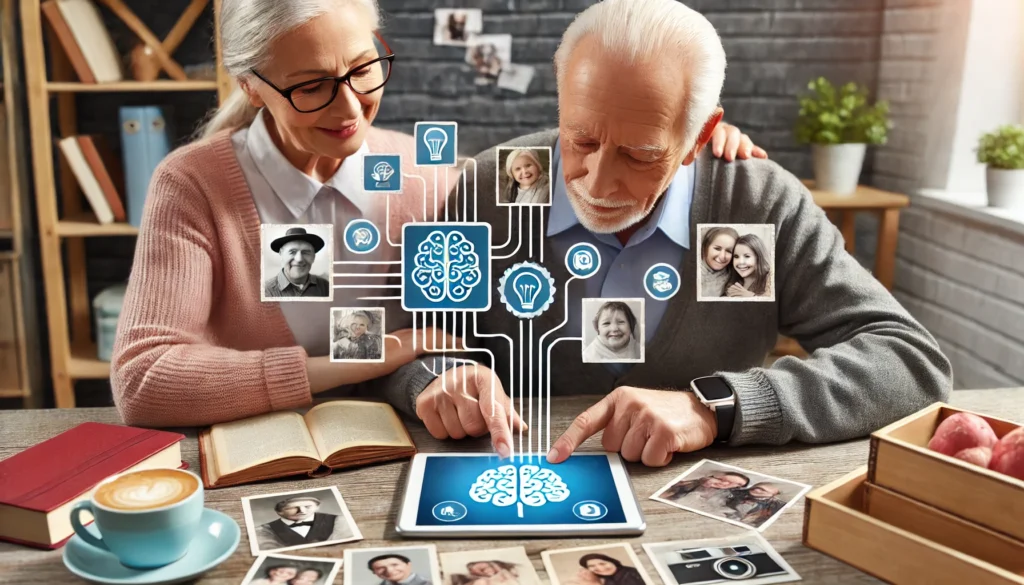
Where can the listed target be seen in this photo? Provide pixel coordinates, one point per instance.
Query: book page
(246, 443)
(342, 424)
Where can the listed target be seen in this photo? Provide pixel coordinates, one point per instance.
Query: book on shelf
(78, 26)
(332, 435)
(98, 174)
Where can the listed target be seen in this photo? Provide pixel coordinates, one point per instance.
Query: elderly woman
(195, 344)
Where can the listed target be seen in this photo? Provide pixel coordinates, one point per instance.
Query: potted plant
(1003, 153)
(839, 124)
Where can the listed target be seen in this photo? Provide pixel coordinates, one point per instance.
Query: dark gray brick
(815, 24)
(907, 20)
(761, 112)
(707, 6)
(408, 24)
(538, 50)
(472, 110)
(396, 6)
(529, 25)
(802, 49)
(443, 79)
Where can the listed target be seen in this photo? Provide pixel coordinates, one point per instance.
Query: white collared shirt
(302, 530)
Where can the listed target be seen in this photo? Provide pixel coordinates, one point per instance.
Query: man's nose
(602, 178)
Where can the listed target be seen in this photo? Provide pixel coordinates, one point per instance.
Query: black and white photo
(357, 334)
(737, 262)
(298, 519)
(455, 26)
(405, 565)
(748, 558)
(611, 564)
(489, 54)
(297, 262)
(731, 494)
(524, 176)
(516, 77)
(496, 566)
(269, 569)
(613, 331)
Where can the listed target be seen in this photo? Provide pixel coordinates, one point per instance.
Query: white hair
(638, 30)
(247, 30)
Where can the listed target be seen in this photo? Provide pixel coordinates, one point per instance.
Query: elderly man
(301, 523)
(298, 250)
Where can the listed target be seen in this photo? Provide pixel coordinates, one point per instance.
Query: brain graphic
(527, 484)
(446, 266)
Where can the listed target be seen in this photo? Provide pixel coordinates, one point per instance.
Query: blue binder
(145, 141)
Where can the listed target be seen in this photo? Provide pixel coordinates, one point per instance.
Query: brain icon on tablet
(526, 484)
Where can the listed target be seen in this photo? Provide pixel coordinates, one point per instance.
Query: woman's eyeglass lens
(316, 95)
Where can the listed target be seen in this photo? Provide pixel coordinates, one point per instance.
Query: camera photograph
(403, 565)
(604, 564)
(297, 262)
(455, 26)
(613, 331)
(524, 175)
(748, 558)
(298, 519)
(737, 262)
(292, 570)
(495, 566)
(357, 334)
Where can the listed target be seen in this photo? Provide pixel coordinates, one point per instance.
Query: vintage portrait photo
(524, 175)
(297, 261)
(613, 331)
(357, 334)
(292, 570)
(737, 262)
(745, 557)
(404, 565)
(594, 565)
(489, 54)
(455, 26)
(496, 566)
(298, 519)
(731, 494)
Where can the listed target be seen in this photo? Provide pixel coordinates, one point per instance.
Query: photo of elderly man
(292, 270)
(298, 520)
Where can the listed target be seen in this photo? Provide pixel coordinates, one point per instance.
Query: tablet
(450, 495)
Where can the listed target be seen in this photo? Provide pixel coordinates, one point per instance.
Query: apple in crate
(1008, 454)
(961, 433)
(976, 455)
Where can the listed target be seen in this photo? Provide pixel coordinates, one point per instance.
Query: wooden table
(371, 494)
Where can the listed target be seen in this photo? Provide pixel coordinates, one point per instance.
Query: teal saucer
(218, 538)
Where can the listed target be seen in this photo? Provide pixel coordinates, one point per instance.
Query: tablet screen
(486, 490)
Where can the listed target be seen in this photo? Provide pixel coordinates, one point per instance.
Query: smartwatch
(715, 393)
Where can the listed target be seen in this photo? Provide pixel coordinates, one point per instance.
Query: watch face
(713, 388)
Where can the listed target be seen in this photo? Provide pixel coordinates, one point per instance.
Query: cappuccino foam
(147, 489)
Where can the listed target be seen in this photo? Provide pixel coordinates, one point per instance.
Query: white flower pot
(837, 166)
(1005, 188)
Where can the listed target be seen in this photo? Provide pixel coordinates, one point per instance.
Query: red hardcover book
(39, 486)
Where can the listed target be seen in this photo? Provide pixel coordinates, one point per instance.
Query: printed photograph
(604, 564)
(516, 77)
(405, 565)
(524, 176)
(297, 261)
(357, 334)
(748, 558)
(455, 26)
(498, 566)
(731, 494)
(489, 54)
(737, 262)
(292, 570)
(613, 331)
(298, 519)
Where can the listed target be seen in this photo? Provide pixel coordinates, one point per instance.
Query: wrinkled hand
(643, 425)
(736, 290)
(728, 142)
(469, 401)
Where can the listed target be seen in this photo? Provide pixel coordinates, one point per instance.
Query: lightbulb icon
(435, 139)
(526, 286)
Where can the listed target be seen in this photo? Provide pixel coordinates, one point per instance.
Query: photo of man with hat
(297, 248)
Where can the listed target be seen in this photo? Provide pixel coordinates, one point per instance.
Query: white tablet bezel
(634, 518)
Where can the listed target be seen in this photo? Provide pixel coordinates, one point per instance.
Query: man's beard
(627, 213)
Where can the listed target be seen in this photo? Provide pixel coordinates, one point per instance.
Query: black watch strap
(726, 415)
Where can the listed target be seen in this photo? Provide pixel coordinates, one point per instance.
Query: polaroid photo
(489, 54)
(745, 557)
(494, 566)
(613, 331)
(298, 519)
(731, 494)
(409, 565)
(280, 569)
(296, 262)
(455, 26)
(516, 77)
(604, 563)
(357, 335)
(737, 262)
(524, 176)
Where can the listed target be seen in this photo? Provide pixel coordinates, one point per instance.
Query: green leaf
(1002, 148)
(831, 115)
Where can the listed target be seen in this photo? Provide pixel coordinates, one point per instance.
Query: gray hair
(637, 30)
(247, 30)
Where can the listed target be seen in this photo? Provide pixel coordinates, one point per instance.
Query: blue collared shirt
(664, 238)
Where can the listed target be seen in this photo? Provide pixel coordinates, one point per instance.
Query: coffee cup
(146, 518)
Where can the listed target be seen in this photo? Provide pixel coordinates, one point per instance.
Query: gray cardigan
(871, 363)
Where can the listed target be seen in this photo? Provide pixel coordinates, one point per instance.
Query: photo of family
(488, 54)
(499, 566)
(357, 335)
(407, 565)
(526, 179)
(455, 26)
(297, 261)
(731, 494)
(291, 570)
(606, 564)
(298, 519)
(737, 262)
(613, 331)
(748, 558)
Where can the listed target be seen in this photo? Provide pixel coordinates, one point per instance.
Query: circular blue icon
(661, 281)
(527, 289)
(361, 236)
(449, 511)
(589, 510)
(583, 260)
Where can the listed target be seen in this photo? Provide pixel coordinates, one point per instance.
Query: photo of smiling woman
(737, 262)
(613, 331)
(526, 179)
(607, 564)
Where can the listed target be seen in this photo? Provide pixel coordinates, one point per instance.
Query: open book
(331, 435)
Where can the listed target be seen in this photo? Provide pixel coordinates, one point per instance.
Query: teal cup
(147, 519)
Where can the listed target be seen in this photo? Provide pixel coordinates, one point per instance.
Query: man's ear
(705, 135)
(254, 96)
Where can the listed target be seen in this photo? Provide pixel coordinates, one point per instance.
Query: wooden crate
(900, 461)
(837, 522)
(10, 370)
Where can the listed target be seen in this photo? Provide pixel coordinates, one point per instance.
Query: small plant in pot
(839, 124)
(1003, 153)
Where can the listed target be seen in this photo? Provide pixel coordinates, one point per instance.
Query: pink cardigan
(195, 345)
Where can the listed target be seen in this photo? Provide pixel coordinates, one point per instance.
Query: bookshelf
(62, 235)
